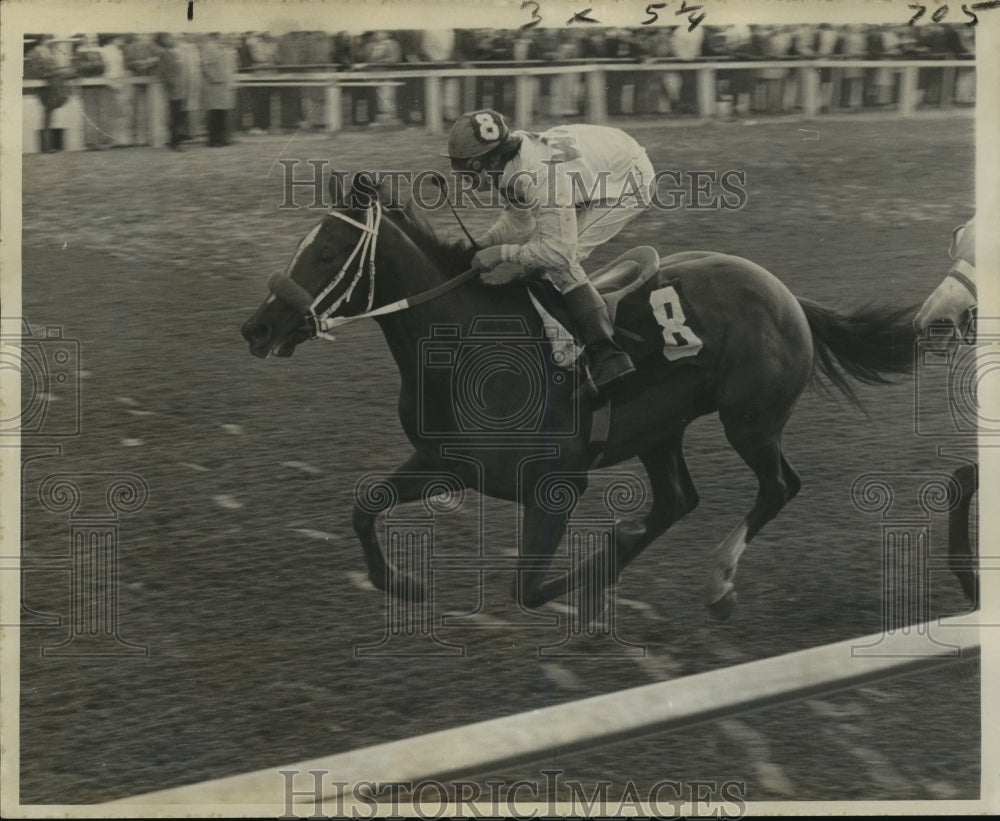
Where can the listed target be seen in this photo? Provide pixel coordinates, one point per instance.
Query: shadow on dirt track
(242, 575)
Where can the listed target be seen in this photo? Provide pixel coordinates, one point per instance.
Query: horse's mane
(452, 256)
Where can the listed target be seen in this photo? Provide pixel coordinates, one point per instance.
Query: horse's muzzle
(260, 336)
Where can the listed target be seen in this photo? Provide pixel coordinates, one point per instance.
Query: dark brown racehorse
(463, 398)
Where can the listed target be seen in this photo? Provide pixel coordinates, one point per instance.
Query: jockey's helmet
(476, 134)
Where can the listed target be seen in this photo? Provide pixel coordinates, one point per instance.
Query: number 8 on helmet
(476, 134)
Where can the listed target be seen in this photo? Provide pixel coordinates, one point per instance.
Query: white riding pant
(599, 222)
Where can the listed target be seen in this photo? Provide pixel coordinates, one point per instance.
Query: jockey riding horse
(566, 191)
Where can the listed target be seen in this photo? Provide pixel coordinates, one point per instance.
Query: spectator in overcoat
(54, 94)
(384, 48)
(174, 76)
(438, 46)
(191, 57)
(141, 56)
(219, 75)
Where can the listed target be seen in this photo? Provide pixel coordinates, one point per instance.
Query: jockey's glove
(488, 258)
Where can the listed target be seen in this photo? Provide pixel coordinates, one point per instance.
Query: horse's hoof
(630, 529)
(723, 608)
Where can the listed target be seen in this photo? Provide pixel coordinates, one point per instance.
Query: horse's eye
(326, 255)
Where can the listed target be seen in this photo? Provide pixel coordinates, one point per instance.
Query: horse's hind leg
(960, 555)
(541, 532)
(674, 496)
(777, 483)
(409, 482)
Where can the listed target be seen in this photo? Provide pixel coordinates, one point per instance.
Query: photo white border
(20, 16)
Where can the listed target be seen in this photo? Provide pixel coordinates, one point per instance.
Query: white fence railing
(513, 87)
(488, 746)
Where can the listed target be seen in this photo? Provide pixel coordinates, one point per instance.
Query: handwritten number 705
(942, 11)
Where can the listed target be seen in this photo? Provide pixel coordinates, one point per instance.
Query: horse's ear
(337, 188)
(364, 193)
(389, 195)
(417, 216)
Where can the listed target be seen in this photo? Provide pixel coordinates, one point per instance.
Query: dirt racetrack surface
(243, 578)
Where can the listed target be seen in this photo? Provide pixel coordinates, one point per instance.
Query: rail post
(522, 99)
(809, 82)
(597, 96)
(909, 92)
(334, 115)
(706, 92)
(433, 116)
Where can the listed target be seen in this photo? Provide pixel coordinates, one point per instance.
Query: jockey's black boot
(607, 361)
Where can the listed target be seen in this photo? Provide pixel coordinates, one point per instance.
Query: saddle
(625, 275)
(646, 309)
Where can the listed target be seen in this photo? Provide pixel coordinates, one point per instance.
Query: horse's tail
(867, 344)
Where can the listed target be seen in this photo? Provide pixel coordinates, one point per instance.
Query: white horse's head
(951, 301)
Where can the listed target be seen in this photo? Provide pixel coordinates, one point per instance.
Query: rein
(454, 213)
(285, 288)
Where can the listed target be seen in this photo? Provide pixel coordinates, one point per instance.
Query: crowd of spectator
(261, 49)
(199, 72)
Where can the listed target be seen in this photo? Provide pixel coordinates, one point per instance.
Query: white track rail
(488, 746)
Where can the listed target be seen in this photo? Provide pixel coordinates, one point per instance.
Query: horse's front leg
(414, 479)
(541, 532)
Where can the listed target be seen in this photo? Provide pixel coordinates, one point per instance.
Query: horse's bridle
(966, 327)
(289, 291)
(968, 282)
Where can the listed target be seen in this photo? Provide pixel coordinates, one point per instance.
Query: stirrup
(616, 366)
